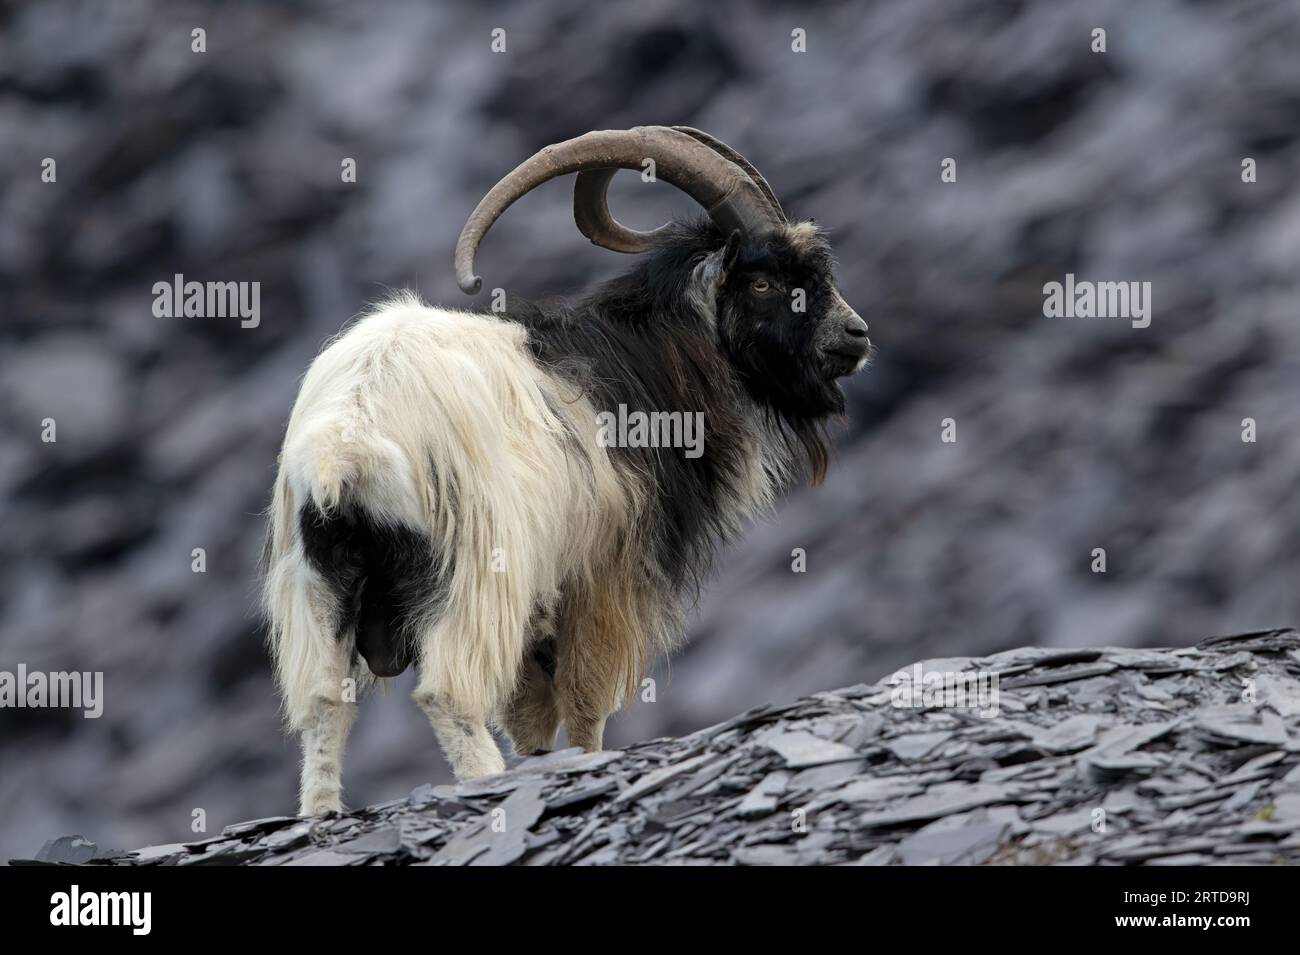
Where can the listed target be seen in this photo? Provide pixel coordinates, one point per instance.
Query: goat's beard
(807, 443)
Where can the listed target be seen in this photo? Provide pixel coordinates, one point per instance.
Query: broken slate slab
(798, 748)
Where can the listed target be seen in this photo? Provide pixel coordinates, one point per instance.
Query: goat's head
(767, 284)
(781, 319)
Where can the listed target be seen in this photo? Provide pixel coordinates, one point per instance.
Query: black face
(783, 323)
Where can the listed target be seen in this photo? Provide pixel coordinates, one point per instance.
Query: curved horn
(591, 200)
(732, 199)
(594, 220)
(723, 149)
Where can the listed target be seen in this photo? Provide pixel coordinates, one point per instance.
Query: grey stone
(799, 749)
(967, 845)
(955, 789)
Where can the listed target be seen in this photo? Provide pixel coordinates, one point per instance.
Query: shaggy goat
(450, 493)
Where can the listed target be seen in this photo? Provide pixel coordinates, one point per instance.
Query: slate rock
(1211, 781)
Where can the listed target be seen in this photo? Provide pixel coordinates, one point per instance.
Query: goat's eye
(761, 286)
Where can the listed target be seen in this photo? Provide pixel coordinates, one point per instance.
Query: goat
(446, 496)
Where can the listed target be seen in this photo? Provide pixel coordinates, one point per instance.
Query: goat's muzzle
(848, 348)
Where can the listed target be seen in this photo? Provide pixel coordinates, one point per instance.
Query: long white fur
(439, 420)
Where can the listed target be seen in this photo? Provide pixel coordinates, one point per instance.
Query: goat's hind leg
(321, 701)
(462, 733)
(323, 740)
(458, 693)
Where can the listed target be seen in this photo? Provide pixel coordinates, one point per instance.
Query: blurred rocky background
(1073, 434)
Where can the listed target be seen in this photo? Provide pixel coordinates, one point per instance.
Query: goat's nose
(855, 327)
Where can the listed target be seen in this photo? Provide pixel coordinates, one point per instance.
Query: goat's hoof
(319, 806)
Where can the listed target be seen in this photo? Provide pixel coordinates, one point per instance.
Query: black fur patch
(546, 655)
(386, 581)
(639, 341)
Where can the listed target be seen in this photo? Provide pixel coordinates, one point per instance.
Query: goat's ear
(713, 268)
(730, 251)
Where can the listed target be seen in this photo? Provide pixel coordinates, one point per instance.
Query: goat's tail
(332, 459)
(339, 577)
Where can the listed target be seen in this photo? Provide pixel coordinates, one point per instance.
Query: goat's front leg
(589, 685)
(532, 717)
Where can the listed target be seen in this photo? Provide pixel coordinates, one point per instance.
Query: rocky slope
(1104, 756)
